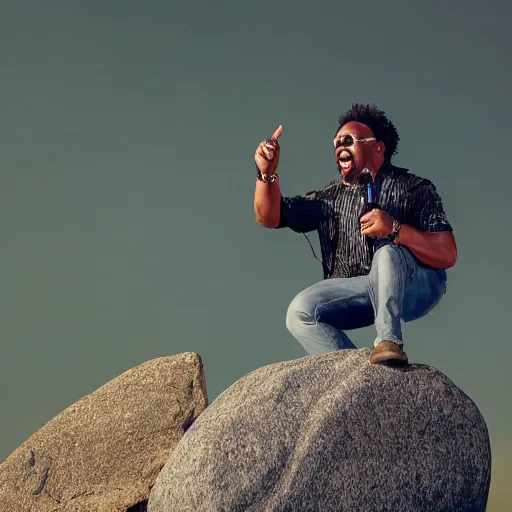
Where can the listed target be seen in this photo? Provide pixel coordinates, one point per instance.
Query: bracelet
(266, 178)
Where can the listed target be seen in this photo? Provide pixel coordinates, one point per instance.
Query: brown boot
(389, 354)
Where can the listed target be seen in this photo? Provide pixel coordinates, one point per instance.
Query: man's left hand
(376, 223)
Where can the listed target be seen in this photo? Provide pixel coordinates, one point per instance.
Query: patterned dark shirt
(334, 213)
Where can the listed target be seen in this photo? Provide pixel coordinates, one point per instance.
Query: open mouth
(346, 160)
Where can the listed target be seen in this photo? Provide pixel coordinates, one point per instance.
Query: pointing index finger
(277, 134)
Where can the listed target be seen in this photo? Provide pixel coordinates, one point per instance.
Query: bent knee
(389, 254)
(300, 311)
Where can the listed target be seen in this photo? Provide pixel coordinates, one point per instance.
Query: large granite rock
(332, 432)
(103, 453)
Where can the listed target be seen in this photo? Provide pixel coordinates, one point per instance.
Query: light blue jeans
(396, 289)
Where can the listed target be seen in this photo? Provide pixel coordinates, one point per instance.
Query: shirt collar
(386, 169)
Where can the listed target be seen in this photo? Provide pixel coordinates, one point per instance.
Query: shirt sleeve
(430, 212)
(301, 214)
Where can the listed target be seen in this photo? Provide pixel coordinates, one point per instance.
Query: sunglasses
(348, 140)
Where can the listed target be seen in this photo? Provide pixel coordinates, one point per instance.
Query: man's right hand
(267, 153)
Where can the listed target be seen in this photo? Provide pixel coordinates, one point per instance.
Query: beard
(350, 177)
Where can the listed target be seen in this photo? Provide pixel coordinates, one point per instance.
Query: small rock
(103, 453)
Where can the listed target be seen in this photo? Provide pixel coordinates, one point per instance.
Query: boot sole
(389, 359)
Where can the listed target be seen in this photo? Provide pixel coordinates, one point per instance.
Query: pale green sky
(127, 182)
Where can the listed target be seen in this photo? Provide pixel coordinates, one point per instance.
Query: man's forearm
(267, 203)
(435, 249)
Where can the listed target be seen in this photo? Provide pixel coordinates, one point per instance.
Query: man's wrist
(266, 178)
(395, 231)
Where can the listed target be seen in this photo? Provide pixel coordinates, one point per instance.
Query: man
(381, 266)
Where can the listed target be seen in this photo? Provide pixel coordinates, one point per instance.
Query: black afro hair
(376, 120)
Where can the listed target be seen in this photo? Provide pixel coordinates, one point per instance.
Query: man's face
(352, 158)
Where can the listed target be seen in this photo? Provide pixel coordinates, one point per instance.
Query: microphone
(368, 201)
(368, 197)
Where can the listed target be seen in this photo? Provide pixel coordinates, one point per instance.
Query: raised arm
(267, 196)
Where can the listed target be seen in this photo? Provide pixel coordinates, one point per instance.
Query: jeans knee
(388, 256)
(301, 311)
